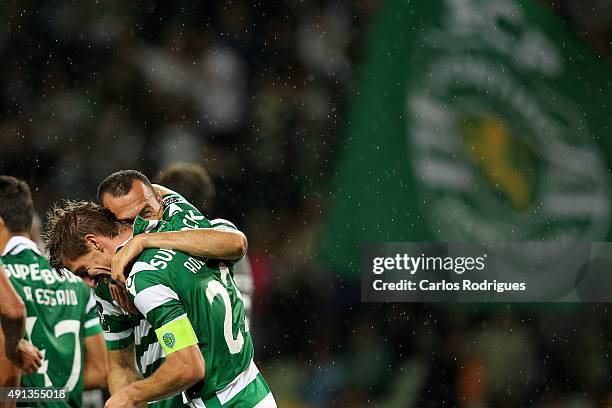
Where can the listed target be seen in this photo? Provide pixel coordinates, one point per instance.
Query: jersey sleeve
(91, 321)
(181, 215)
(117, 325)
(155, 298)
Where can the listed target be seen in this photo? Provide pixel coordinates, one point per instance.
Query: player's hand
(122, 399)
(121, 296)
(26, 356)
(124, 256)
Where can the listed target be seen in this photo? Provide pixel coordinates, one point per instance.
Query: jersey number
(214, 289)
(61, 328)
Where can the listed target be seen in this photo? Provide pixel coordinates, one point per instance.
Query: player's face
(140, 200)
(94, 267)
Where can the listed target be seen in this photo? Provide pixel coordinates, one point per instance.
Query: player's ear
(92, 241)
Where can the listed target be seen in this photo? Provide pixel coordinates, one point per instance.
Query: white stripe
(153, 353)
(141, 266)
(222, 221)
(91, 323)
(152, 297)
(222, 227)
(118, 336)
(141, 331)
(196, 403)
(91, 303)
(110, 309)
(238, 384)
(151, 224)
(21, 242)
(267, 402)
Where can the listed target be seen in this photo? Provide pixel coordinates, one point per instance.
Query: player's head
(192, 182)
(128, 193)
(83, 236)
(16, 207)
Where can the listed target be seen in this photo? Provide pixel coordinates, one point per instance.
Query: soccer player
(129, 337)
(21, 354)
(195, 184)
(191, 303)
(61, 311)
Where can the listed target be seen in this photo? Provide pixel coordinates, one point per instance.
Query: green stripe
(93, 330)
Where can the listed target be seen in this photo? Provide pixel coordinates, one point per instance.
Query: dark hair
(120, 183)
(192, 182)
(16, 205)
(67, 224)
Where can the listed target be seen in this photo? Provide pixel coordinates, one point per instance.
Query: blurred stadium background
(326, 124)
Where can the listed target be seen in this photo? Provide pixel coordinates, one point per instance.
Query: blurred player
(61, 312)
(191, 304)
(194, 183)
(19, 354)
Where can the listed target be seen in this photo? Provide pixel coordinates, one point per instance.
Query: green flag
(475, 121)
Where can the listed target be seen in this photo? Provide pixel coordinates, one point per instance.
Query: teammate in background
(61, 311)
(195, 184)
(191, 304)
(19, 354)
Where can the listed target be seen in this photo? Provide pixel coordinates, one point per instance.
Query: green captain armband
(176, 335)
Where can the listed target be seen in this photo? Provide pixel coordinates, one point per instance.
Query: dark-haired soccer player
(61, 311)
(127, 194)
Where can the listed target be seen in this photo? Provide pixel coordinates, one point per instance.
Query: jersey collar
(19, 243)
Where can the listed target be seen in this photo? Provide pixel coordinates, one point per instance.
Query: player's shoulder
(150, 269)
(221, 223)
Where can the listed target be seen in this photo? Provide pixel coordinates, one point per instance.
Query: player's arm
(96, 363)
(224, 244)
(12, 314)
(119, 338)
(12, 320)
(122, 371)
(180, 371)
(10, 374)
(95, 360)
(221, 241)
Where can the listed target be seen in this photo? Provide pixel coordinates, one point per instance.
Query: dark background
(258, 93)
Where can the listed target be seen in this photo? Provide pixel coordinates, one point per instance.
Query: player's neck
(6, 235)
(124, 234)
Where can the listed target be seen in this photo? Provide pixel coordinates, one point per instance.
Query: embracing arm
(229, 245)
(224, 244)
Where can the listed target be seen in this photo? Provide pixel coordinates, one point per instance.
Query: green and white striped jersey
(61, 313)
(121, 329)
(189, 300)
